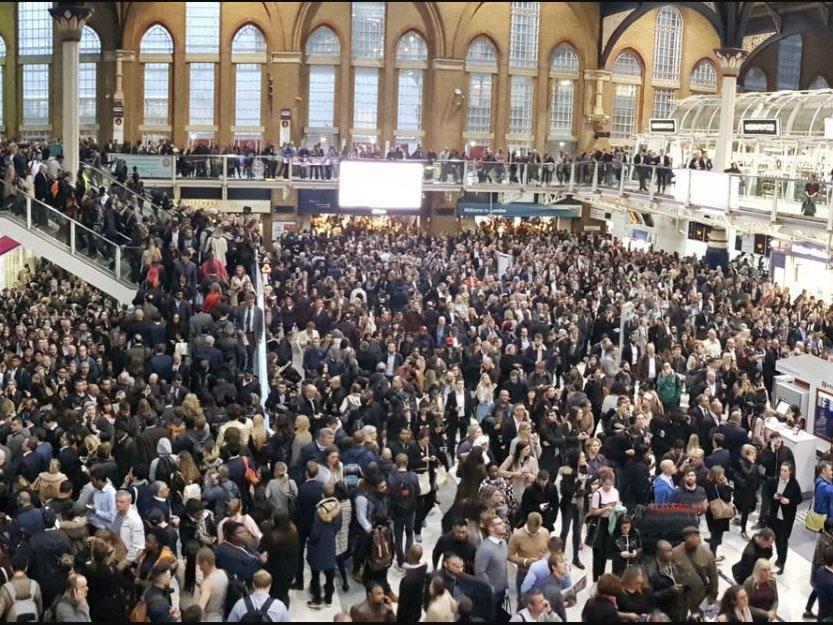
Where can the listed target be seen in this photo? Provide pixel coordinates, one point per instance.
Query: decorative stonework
(751, 42)
(730, 60)
(70, 18)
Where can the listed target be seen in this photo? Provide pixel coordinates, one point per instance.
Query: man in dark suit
(784, 493)
(412, 587)
(211, 354)
(250, 320)
(720, 455)
(309, 494)
(161, 364)
(179, 305)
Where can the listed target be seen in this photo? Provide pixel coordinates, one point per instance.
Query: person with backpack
(20, 597)
(258, 606)
(403, 486)
(380, 554)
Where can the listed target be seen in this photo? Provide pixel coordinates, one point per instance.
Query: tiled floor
(793, 586)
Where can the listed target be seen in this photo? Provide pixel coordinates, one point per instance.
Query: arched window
(248, 55)
(789, 62)
(34, 47)
(755, 80)
(668, 44)
(819, 82)
(248, 40)
(627, 64)
(564, 71)
(157, 40)
(156, 55)
(703, 76)
(323, 52)
(411, 63)
(368, 51)
(627, 78)
(90, 50)
(481, 65)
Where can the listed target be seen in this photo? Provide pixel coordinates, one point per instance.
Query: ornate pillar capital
(730, 60)
(70, 18)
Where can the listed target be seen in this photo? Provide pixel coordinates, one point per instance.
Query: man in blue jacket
(664, 487)
(823, 495)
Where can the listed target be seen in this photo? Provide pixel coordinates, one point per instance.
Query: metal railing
(70, 234)
(777, 195)
(143, 201)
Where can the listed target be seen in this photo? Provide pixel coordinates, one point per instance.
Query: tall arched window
(703, 77)
(789, 62)
(368, 50)
(411, 63)
(202, 53)
(90, 50)
(156, 53)
(2, 78)
(627, 79)
(754, 80)
(34, 46)
(668, 44)
(564, 72)
(248, 55)
(523, 62)
(323, 52)
(819, 82)
(481, 66)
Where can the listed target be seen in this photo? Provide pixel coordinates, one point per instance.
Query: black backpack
(260, 615)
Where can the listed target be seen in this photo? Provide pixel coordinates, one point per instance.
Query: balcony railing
(777, 195)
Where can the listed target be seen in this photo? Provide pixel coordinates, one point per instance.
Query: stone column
(286, 72)
(122, 57)
(597, 123)
(730, 60)
(70, 18)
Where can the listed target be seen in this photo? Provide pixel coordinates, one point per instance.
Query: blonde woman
(302, 438)
(239, 284)
(191, 406)
(484, 395)
(762, 592)
(281, 491)
(259, 438)
(47, 483)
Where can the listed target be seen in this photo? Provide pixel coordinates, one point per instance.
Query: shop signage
(515, 209)
(760, 127)
(230, 206)
(663, 126)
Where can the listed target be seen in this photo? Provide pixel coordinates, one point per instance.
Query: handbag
(252, 476)
(424, 483)
(814, 521)
(593, 529)
(721, 509)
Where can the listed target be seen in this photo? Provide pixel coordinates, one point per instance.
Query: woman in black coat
(717, 487)
(784, 493)
(747, 477)
(282, 547)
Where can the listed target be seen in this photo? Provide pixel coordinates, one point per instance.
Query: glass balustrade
(60, 229)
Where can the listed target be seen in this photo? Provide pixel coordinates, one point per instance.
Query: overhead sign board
(760, 127)
(663, 126)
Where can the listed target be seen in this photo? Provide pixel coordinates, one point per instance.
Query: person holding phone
(602, 504)
(376, 608)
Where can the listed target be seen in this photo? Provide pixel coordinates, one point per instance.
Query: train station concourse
(416, 311)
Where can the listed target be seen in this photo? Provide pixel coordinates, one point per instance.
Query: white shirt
(277, 611)
(652, 367)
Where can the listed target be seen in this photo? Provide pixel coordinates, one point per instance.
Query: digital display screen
(380, 185)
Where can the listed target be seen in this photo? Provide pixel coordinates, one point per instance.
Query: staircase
(97, 178)
(70, 245)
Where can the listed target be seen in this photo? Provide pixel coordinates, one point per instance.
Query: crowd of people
(413, 389)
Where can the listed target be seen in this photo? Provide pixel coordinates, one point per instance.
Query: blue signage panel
(517, 209)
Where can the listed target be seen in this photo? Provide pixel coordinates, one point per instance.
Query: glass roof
(801, 113)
